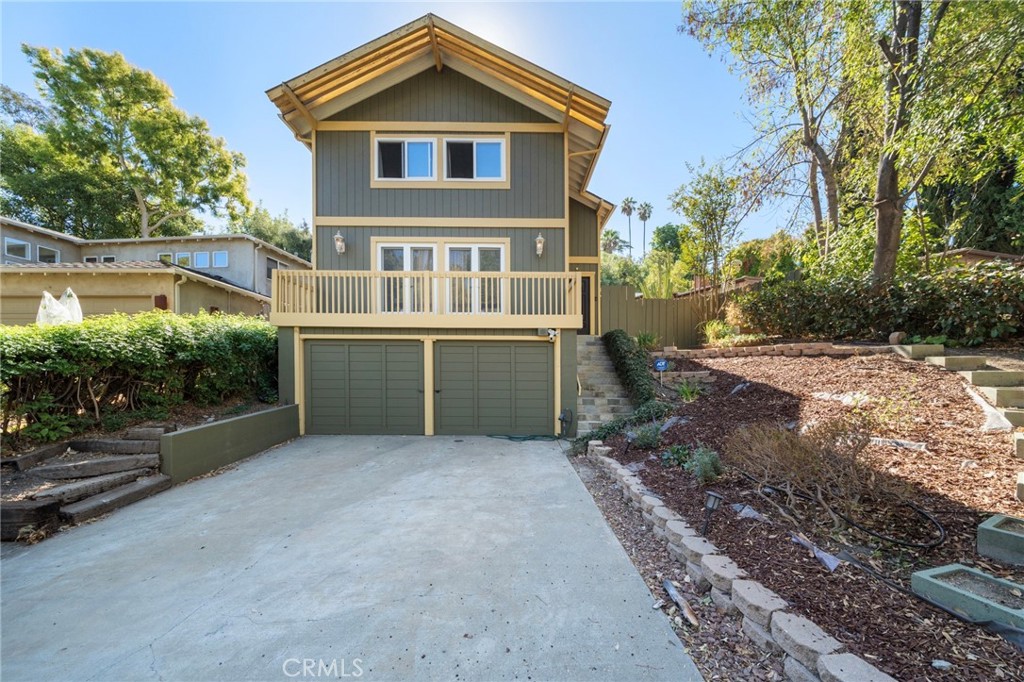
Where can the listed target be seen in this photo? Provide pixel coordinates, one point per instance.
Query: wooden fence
(675, 321)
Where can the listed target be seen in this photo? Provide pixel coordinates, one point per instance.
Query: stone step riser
(1014, 415)
(994, 377)
(1003, 397)
(958, 363)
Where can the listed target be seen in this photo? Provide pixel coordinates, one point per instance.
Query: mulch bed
(963, 477)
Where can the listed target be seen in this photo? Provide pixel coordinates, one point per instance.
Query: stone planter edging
(810, 653)
(782, 349)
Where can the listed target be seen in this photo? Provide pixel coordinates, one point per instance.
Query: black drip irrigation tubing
(903, 543)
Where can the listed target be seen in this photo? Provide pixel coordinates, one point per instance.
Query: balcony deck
(464, 300)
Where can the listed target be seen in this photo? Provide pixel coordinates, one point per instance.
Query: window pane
(47, 255)
(165, 257)
(392, 258)
(460, 260)
(183, 259)
(271, 266)
(420, 159)
(490, 260)
(90, 259)
(220, 259)
(112, 259)
(460, 159)
(17, 248)
(422, 258)
(389, 159)
(488, 160)
(202, 259)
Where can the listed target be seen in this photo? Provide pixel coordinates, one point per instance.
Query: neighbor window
(108, 259)
(91, 259)
(475, 294)
(165, 257)
(183, 259)
(482, 159)
(201, 259)
(220, 259)
(16, 248)
(405, 159)
(272, 265)
(47, 255)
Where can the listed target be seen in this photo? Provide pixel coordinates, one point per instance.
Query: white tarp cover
(67, 310)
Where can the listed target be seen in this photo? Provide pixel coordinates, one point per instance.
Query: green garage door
(364, 387)
(493, 388)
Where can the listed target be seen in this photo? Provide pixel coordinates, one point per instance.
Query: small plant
(647, 340)
(676, 456)
(703, 464)
(716, 330)
(689, 391)
(647, 437)
(931, 340)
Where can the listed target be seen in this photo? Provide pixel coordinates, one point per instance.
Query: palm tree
(628, 206)
(611, 241)
(643, 212)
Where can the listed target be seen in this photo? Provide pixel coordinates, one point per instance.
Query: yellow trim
(439, 181)
(437, 127)
(593, 301)
(384, 221)
(312, 148)
(427, 320)
(300, 369)
(428, 387)
(556, 403)
(565, 188)
(586, 260)
(420, 337)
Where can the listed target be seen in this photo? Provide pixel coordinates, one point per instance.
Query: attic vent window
(482, 159)
(411, 159)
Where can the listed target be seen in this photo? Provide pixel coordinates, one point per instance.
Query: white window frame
(39, 254)
(475, 283)
(476, 140)
(407, 296)
(269, 270)
(91, 259)
(11, 241)
(195, 259)
(405, 159)
(213, 259)
(183, 255)
(109, 258)
(169, 254)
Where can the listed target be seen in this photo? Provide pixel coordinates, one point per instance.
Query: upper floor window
(405, 159)
(220, 259)
(201, 259)
(108, 259)
(16, 248)
(47, 255)
(476, 159)
(91, 259)
(273, 264)
(165, 257)
(184, 259)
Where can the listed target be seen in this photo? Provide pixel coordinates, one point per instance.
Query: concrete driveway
(377, 558)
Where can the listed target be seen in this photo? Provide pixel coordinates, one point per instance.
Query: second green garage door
(365, 387)
(493, 388)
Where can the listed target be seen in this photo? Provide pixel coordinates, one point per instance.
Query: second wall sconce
(339, 243)
(540, 244)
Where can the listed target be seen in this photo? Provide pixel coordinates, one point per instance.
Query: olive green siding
(582, 230)
(522, 257)
(569, 388)
(286, 365)
(343, 183)
(364, 387)
(493, 388)
(444, 96)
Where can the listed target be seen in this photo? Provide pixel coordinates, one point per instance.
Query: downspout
(255, 262)
(179, 280)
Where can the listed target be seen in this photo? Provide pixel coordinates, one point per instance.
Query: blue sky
(671, 103)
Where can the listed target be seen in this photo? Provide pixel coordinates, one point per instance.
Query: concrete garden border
(199, 450)
(782, 349)
(810, 653)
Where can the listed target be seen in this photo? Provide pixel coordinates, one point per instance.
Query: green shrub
(689, 391)
(968, 305)
(647, 437)
(55, 380)
(716, 330)
(704, 464)
(651, 411)
(647, 341)
(675, 456)
(630, 365)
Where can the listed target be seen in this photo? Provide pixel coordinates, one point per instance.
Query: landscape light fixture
(540, 244)
(712, 502)
(339, 243)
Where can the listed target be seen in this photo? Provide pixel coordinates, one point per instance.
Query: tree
(611, 241)
(772, 258)
(711, 204)
(643, 212)
(666, 238)
(627, 208)
(107, 115)
(616, 269)
(279, 231)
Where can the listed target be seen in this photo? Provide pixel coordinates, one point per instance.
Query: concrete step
(994, 377)
(1018, 445)
(115, 499)
(1014, 415)
(920, 351)
(1000, 538)
(116, 446)
(958, 363)
(97, 467)
(1003, 396)
(72, 492)
(594, 400)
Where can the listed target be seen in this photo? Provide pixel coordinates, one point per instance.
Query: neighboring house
(455, 244)
(738, 285)
(967, 256)
(229, 272)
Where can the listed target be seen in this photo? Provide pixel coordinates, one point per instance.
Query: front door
(585, 305)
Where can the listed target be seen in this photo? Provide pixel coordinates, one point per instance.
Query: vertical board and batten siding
(522, 257)
(445, 96)
(582, 230)
(343, 183)
(286, 365)
(676, 322)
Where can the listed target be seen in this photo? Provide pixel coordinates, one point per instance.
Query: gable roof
(432, 42)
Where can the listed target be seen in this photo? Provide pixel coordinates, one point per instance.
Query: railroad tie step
(119, 497)
(147, 432)
(116, 446)
(98, 466)
(78, 490)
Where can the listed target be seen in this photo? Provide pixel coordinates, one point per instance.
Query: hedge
(630, 363)
(968, 305)
(58, 379)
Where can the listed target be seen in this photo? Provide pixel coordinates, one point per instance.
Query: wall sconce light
(540, 244)
(712, 502)
(339, 243)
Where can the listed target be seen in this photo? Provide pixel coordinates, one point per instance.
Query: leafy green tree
(772, 258)
(611, 241)
(627, 208)
(279, 231)
(616, 269)
(666, 238)
(161, 165)
(643, 212)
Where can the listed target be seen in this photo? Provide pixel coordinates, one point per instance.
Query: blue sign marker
(661, 364)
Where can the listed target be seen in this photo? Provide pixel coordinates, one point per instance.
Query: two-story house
(230, 273)
(455, 244)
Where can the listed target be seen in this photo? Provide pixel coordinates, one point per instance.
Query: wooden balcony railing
(339, 298)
